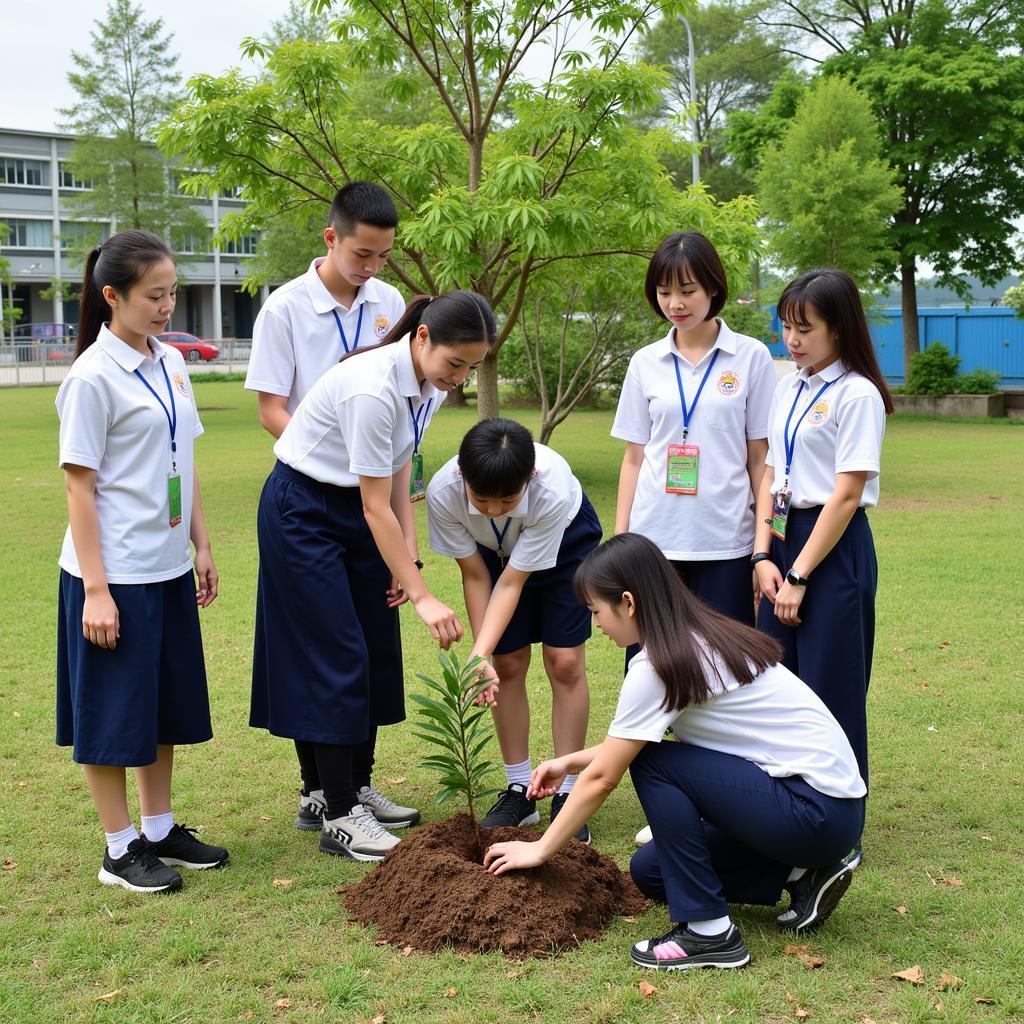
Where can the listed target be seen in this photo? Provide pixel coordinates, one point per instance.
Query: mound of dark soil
(432, 890)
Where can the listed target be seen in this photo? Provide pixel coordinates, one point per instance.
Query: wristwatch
(760, 556)
(794, 578)
(419, 564)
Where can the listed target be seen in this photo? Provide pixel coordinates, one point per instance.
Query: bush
(750, 320)
(978, 382)
(933, 371)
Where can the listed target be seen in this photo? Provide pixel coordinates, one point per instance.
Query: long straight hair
(673, 624)
(120, 262)
(835, 297)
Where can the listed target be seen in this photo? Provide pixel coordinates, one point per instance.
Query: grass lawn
(940, 886)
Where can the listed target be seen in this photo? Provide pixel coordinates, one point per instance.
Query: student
(517, 521)
(338, 555)
(131, 680)
(814, 554)
(760, 793)
(306, 326)
(694, 413)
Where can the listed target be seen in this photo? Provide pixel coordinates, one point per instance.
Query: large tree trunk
(911, 339)
(487, 387)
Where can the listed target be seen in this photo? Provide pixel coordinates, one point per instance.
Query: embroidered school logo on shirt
(819, 413)
(381, 323)
(728, 383)
(179, 383)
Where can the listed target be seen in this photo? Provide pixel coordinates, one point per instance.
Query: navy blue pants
(727, 832)
(327, 660)
(832, 647)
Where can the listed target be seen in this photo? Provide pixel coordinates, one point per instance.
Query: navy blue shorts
(115, 707)
(548, 612)
(327, 661)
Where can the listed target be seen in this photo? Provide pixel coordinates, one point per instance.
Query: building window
(82, 234)
(231, 193)
(27, 234)
(69, 180)
(245, 246)
(16, 171)
(195, 243)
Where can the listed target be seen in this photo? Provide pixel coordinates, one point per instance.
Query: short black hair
(681, 252)
(361, 202)
(497, 457)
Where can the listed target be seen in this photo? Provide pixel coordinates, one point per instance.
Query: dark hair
(680, 632)
(687, 251)
(361, 202)
(496, 457)
(452, 318)
(119, 262)
(835, 297)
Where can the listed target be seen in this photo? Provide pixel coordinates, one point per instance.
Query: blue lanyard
(790, 439)
(172, 415)
(417, 415)
(500, 537)
(359, 328)
(688, 413)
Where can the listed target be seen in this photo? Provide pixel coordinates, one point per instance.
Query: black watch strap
(794, 578)
(418, 563)
(760, 556)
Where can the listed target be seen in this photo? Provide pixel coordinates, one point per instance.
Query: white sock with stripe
(519, 773)
(156, 827)
(567, 784)
(118, 842)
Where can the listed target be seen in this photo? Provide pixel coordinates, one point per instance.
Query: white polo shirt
(536, 525)
(718, 521)
(842, 433)
(356, 420)
(776, 722)
(112, 423)
(296, 338)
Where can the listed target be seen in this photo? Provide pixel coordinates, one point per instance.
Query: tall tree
(946, 79)
(126, 86)
(509, 176)
(826, 192)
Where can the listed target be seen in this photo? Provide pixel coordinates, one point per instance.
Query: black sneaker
(311, 811)
(814, 896)
(681, 949)
(512, 809)
(139, 870)
(180, 846)
(557, 803)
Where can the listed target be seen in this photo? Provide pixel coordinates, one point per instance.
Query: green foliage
(749, 319)
(978, 382)
(748, 133)
(932, 372)
(826, 192)
(461, 729)
(1014, 298)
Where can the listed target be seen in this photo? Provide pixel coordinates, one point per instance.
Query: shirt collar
(726, 341)
(323, 301)
(831, 372)
(407, 382)
(128, 358)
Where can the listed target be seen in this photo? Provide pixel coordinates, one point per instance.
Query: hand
(396, 596)
(757, 591)
(769, 579)
(101, 623)
(546, 778)
(206, 578)
(502, 857)
(489, 682)
(442, 622)
(787, 604)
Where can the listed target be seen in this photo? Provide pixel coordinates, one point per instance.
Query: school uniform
(302, 331)
(327, 665)
(761, 780)
(838, 420)
(709, 535)
(116, 407)
(548, 533)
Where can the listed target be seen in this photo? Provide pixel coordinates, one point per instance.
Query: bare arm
(501, 607)
(756, 451)
(206, 571)
(274, 414)
(476, 589)
(402, 507)
(632, 460)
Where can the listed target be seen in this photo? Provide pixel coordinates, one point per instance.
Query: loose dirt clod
(432, 891)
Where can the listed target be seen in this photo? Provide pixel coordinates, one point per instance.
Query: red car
(191, 347)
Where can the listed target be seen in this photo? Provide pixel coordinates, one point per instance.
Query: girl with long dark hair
(761, 792)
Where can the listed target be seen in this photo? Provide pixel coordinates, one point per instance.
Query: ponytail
(93, 309)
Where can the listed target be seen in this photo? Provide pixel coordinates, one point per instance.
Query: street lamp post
(693, 99)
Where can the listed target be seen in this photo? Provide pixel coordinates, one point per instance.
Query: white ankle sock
(117, 842)
(713, 926)
(796, 874)
(156, 827)
(519, 772)
(566, 786)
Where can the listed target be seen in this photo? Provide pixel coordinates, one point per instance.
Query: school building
(36, 189)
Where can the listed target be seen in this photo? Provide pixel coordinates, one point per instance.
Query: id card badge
(417, 490)
(780, 512)
(681, 469)
(174, 498)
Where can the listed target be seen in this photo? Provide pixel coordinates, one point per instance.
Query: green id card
(780, 512)
(417, 490)
(681, 471)
(174, 498)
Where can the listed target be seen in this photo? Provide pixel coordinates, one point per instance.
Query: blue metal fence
(986, 337)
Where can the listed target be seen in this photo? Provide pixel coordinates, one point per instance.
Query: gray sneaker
(358, 835)
(311, 811)
(387, 812)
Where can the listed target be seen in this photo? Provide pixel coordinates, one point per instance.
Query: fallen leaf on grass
(988, 839)
(9, 865)
(647, 989)
(811, 962)
(266, 817)
(400, 781)
(407, 951)
(948, 981)
(901, 910)
(939, 1008)
(108, 997)
(792, 950)
(629, 920)
(801, 1014)
(17, 714)
(248, 1015)
(954, 883)
(283, 1004)
(912, 974)
(282, 883)
(451, 992)
(865, 1019)
(984, 1001)
(379, 1020)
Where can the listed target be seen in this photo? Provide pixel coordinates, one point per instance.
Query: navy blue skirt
(115, 707)
(327, 660)
(548, 611)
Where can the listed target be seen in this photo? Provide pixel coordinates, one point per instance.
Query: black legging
(339, 769)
